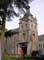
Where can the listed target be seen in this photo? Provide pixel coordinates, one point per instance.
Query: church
(22, 40)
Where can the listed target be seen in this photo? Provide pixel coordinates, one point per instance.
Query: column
(29, 48)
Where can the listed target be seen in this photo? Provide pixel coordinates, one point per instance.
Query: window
(35, 26)
(31, 25)
(26, 26)
(22, 27)
(24, 36)
(31, 20)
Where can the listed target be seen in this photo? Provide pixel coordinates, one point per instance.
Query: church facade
(23, 39)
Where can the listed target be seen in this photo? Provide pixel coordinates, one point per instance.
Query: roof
(11, 32)
(41, 37)
(15, 30)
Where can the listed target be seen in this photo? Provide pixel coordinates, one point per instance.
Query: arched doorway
(24, 48)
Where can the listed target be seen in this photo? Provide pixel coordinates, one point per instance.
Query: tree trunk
(0, 49)
(1, 39)
(2, 34)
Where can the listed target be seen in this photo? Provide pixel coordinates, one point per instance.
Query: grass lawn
(9, 58)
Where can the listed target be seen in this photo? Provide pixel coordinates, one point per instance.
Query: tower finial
(28, 11)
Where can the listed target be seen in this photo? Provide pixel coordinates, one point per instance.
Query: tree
(6, 9)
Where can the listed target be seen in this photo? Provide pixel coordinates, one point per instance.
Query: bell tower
(28, 27)
(28, 32)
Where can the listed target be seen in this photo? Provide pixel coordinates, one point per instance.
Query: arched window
(33, 36)
(24, 36)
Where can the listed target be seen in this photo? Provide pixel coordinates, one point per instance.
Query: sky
(37, 9)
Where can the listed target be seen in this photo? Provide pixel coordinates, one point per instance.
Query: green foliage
(4, 4)
(3, 1)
